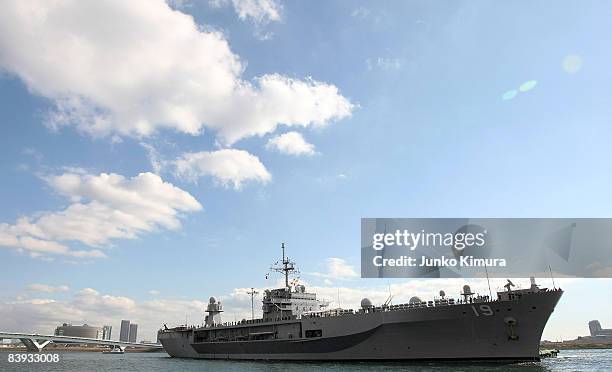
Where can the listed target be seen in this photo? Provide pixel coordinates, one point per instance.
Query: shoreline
(80, 349)
(573, 346)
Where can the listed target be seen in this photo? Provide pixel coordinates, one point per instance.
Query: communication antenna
(382, 254)
(286, 266)
(489, 283)
(339, 298)
(551, 277)
(252, 292)
(390, 297)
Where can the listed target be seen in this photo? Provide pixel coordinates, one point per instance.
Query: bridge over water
(36, 342)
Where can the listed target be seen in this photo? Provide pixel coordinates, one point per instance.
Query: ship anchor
(511, 323)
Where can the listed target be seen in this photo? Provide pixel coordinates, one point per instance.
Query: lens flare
(528, 85)
(509, 95)
(572, 63)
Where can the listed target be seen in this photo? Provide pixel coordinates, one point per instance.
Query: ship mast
(285, 267)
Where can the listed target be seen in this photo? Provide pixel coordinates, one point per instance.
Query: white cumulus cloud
(90, 299)
(259, 11)
(36, 287)
(337, 268)
(103, 207)
(40, 315)
(292, 143)
(135, 67)
(227, 166)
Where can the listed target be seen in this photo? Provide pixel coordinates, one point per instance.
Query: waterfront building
(106, 332)
(133, 332)
(84, 330)
(596, 330)
(124, 334)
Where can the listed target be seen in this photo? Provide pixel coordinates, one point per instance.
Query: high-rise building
(133, 332)
(597, 330)
(124, 334)
(106, 332)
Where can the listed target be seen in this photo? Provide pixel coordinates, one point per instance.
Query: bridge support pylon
(33, 345)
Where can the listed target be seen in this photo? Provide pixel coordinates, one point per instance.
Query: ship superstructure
(291, 300)
(295, 325)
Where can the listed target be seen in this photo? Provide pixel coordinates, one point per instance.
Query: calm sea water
(568, 360)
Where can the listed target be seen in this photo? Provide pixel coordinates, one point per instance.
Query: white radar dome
(366, 303)
(415, 300)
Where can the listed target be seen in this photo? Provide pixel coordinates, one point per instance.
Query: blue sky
(410, 122)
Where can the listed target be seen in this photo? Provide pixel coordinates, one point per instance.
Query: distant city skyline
(154, 154)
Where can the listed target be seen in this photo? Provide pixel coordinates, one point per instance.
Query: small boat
(114, 350)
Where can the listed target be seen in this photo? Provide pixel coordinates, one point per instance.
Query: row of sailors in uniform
(412, 305)
(440, 302)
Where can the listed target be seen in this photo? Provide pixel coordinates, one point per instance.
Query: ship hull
(510, 331)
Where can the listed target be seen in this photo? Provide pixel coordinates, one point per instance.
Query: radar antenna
(286, 266)
(509, 285)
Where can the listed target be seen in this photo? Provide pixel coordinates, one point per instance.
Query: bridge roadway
(35, 342)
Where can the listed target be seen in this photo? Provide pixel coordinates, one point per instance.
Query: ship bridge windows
(313, 333)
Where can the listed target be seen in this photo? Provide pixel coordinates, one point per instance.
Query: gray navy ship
(296, 325)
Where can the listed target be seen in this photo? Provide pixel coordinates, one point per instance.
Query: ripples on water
(568, 360)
